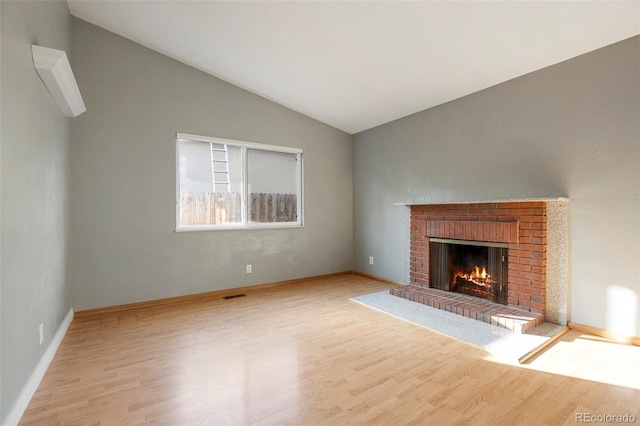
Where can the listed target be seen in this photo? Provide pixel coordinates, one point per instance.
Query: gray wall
(123, 247)
(567, 130)
(34, 151)
(1, 97)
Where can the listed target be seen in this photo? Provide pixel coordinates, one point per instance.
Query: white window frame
(244, 146)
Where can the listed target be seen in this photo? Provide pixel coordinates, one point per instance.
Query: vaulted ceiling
(356, 65)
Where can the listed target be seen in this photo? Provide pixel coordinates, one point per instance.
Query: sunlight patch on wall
(622, 310)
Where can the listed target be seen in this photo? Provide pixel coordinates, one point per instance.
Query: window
(226, 184)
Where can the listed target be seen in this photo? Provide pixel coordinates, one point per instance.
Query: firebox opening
(469, 267)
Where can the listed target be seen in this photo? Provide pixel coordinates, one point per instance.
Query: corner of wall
(18, 409)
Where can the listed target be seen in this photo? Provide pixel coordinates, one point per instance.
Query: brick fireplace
(520, 227)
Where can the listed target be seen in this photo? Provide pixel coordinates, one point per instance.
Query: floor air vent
(233, 296)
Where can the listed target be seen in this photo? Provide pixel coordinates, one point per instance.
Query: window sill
(238, 227)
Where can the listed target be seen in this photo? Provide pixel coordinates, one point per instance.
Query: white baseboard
(18, 409)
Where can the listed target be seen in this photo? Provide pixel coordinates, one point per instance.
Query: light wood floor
(297, 354)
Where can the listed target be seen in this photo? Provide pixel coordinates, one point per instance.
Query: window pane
(210, 183)
(272, 186)
(233, 184)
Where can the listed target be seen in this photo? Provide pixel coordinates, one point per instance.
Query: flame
(478, 276)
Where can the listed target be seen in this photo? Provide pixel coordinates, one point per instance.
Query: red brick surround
(522, 225)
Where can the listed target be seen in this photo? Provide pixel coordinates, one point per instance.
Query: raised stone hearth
(471, 307)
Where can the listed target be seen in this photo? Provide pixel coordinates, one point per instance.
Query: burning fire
(478, 276)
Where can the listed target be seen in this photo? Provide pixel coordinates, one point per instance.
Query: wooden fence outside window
(225, 208)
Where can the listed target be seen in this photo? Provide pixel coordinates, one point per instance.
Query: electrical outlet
(41, 330)
(370, 260)
(249, 269)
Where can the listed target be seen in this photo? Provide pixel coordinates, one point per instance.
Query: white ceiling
(356, 65)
